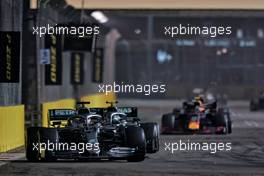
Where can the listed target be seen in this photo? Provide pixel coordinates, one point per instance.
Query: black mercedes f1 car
(194, 118)
(92, 133)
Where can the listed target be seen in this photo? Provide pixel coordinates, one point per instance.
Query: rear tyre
(32, 138)
(229, 127)
(151, 130)
(167, 123)
(223, 119)
(253, 105)
(135, 138)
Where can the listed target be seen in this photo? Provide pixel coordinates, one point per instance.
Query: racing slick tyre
(253, 105)
(223, 119)
(151, 130)
(229, 123)
(167, 123)
(229, 127)
(48, 136)
(135, 138)
(32, 138)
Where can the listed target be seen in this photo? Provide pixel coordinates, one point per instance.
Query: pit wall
(12, 118)
(12, 127)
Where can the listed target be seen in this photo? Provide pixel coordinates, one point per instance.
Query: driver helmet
(200, 100)
(89, 120)
(116, 119)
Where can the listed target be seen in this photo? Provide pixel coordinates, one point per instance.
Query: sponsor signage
(97, 75)
(9, 57)
(77, 73)
(53, 71)
(44, 56)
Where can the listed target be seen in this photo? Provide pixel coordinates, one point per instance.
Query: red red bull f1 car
(197, 117)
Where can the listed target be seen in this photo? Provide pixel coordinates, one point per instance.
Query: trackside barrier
(64, 104)
(12, 127)
(99, 99)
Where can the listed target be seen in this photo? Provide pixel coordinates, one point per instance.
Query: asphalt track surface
(245, 158)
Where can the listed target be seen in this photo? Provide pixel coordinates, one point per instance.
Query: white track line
(251, 123)
(6, 157)
(248, 123)
(2, 163)
(255, 124)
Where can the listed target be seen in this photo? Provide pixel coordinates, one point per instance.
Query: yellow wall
(12, 118)
(60, 104)
(12, 127)
(98, 100)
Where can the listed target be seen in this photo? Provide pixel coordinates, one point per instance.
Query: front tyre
(151, 130)
(135, 138)
(49, 136)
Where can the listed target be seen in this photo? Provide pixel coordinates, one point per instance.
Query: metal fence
(186, 62)
(32, 90)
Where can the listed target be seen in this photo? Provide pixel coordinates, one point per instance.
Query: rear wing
(129, 111)
(61, 114)
(81, 104)
(189, 105)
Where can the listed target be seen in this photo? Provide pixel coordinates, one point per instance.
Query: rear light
(194, 125)
(220, 128)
